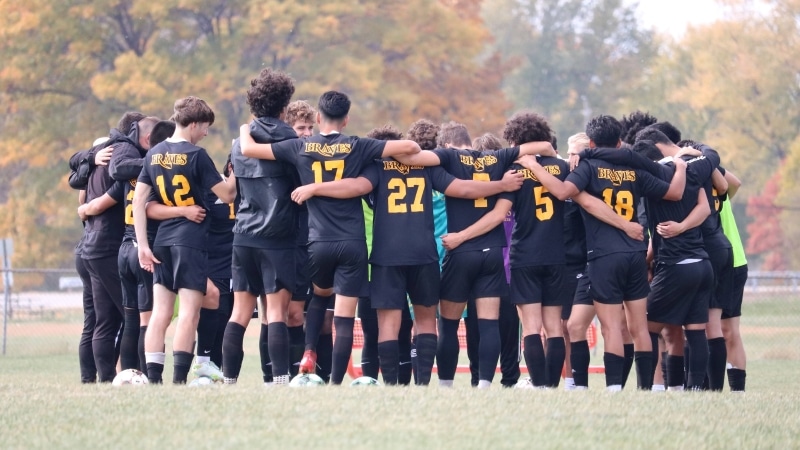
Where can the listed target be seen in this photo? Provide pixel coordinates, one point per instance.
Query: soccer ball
(307, 380)
(365, 381)
(201, 381)
(130, 376)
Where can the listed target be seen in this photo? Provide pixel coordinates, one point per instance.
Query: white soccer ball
(201, 381)
(130, 376)
(307, 380)
(365, 381)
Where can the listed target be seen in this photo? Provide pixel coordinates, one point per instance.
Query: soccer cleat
(309, 362)
(209, 370)
(524, 384)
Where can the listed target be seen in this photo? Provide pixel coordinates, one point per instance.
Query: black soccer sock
(615, 365)
(554, 360)
(223, 315)
(263, 351)
(644, 370)
(142, 362)
(426, 353)
(626, 369)
(155, 372)
(675, 371)
(129, 345)
(206, 331)
(279, 348)
(415, 361)
(717, 362)
(488, 349)
(736, 379)
(579, 360)
(182, 362)
(369, 351)
(447, 349)
(325, 356)
(389, 355)
(687, 355)
(698, 357)
(315, 317)
(232, 350)
(296, 348)
(404, 343)
(654, 350)
(663, 367)
(342, 347)
(535, 360)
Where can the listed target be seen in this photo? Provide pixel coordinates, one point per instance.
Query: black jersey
(130, 231)
(620, 187)
(574, 234)
(222, 217)
(331, 157)
(266, 217)
(180, 173)
(402, 201)
(539, 219)
(103, 232)
(479, 166)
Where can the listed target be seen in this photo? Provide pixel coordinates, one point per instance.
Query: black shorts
(392, 285)
(680, 293)
(260, 271)
(181, 268)
(618, 277)
(341, 265)
(572, 274)
(582, 295)
(302, 290)
(137, 283)
(722, 263)
(734, 307)
(538, 284)
(473, 274)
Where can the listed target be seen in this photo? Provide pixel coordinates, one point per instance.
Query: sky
(673, 16)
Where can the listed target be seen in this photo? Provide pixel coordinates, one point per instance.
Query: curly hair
(672, 132)
(634, 123)
(386, 133)
(190, 110)
(453, 133)
(487, 141)
(526, 126)
(604, 130)
(423, 132)
(269, 93)
(299, 111)
(334, 105)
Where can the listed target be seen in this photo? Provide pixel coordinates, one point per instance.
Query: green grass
(45, 407)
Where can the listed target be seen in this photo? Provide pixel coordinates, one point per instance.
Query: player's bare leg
(185, 332)
(636, 319)
(611, 324)
(579, 321)
(737, 359)
(163, 308)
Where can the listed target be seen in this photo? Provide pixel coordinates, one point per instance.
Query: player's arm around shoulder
(560, 190)
(471, 189)
(485, 224)
(250, 148)
(695, 218)
(420, 158)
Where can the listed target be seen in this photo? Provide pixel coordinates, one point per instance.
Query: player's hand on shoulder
(102, 157)
(303, 193)
(528, 161)
(669, 229)
(679, 163)
(634, 231)
(688, 151)
(512, 181)
(194, 213)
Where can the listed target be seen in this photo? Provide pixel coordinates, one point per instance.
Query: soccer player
(473, 266)
(181, 172)
(337, 249)
(617, 268)
(265, 235)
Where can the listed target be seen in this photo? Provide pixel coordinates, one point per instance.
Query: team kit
(308, 229)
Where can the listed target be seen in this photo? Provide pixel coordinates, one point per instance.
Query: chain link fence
(42, 314)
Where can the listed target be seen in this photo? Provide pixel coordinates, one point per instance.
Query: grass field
(44, 406)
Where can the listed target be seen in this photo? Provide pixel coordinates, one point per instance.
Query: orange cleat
(309, 362)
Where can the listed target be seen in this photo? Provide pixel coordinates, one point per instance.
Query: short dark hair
(386, 133)
(128, 119)
(688, 143)
(190, 110)
(604, 130)
(453, 133)
(161, 131)
(634, 123)
(424, 132)
(300, 110)
(269, 93)
(334, 105)
(653, 135)
(647, 149)
(526, 126)
(487, 141)
(672, 132)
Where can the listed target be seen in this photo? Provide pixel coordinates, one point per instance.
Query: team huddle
(632, 228)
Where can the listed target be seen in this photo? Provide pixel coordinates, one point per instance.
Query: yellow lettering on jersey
(167, 160)
(402, 168)
(326, 149)
(616, 176)
(479, 164)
